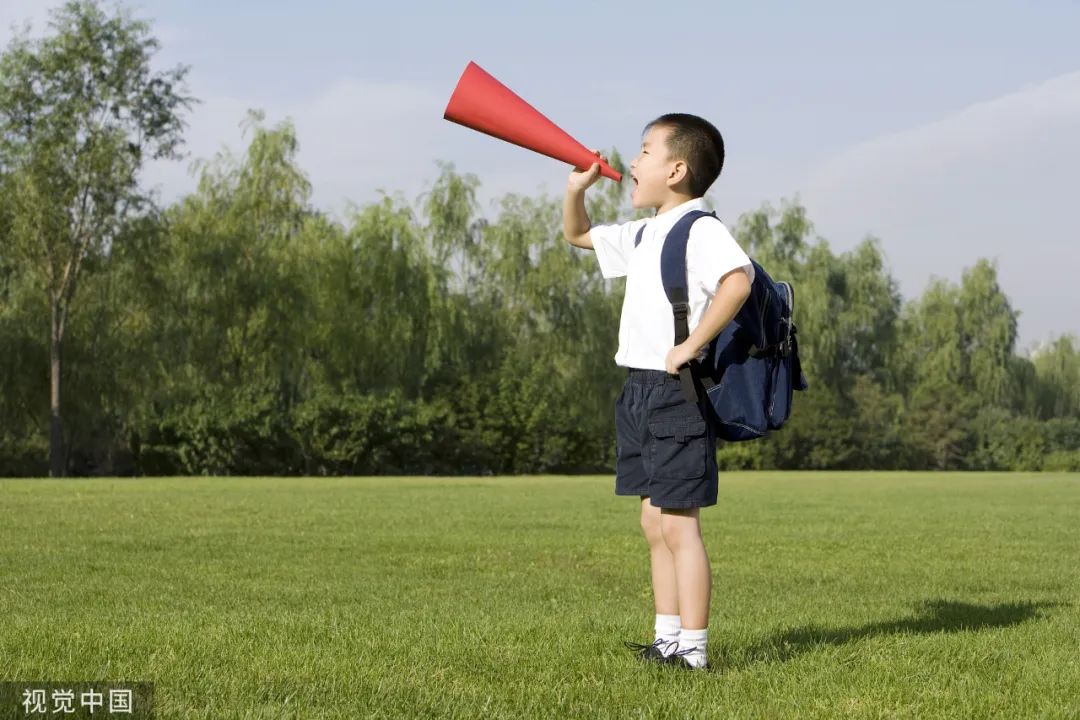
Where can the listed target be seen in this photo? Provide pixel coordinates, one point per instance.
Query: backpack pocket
(738, 401)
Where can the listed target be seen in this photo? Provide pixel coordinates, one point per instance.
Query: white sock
(667, 629)
(695, 641)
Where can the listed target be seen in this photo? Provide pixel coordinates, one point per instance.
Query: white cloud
(359, 137)
(998, 179)
(355, 137)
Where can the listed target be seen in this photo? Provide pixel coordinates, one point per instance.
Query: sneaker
(676, 658)
(651, 653)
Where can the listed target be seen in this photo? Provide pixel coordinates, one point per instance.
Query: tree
(80, 111)
(989, 332)
(234, 317)
(1057, 370)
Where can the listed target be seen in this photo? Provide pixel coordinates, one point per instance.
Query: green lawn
(834, 595)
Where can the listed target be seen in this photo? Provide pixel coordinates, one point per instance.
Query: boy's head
(680, 155)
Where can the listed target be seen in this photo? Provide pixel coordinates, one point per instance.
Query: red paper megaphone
(483, 103)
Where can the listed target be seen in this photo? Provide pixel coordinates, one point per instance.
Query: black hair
(698, 143)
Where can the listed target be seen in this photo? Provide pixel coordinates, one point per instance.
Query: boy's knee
(675, 538)
(677, 532)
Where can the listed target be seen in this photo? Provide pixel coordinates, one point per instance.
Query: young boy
(665, 450)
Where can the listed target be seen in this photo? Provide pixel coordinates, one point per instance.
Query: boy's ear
(679, 172)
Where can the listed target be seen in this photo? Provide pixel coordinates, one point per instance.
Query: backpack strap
(673, 275)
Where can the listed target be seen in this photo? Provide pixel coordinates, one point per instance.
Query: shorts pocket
(678, 447)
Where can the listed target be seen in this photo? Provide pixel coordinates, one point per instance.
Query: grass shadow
(931, 616)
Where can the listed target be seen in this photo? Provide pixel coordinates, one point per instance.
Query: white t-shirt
(647, 330)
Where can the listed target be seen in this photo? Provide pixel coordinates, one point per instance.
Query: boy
(665, 449)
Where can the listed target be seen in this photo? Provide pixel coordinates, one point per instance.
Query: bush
(23, 456)
(244, 432)
(357, 434)
(1062, 461)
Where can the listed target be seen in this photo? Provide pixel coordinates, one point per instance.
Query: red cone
(483, 103)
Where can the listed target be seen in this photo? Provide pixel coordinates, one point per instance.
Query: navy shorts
(663, 446)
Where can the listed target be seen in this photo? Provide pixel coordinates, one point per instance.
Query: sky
(950, 131)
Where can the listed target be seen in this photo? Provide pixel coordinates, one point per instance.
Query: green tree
(1057, 378)
(80, 111)
(231, 298)
(988, 325)
(932, 366)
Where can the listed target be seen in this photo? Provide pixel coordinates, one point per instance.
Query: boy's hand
(679, 356)
(580, 181)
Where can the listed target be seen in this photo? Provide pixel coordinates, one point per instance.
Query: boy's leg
(683, 479)
(631, 478)
(681, 531)
(665, 589)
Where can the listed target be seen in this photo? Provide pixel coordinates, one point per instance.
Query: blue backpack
(745, 382)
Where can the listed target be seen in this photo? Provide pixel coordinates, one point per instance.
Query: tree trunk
(56, 438)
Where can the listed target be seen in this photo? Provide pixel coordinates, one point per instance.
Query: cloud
(997, 179)
(355, 137)
(360, 137)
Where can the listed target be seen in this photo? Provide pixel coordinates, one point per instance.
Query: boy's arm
(731, 293)
(576, 222)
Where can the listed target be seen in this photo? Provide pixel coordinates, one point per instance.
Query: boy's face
(653, 171)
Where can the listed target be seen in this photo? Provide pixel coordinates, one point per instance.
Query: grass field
(834, 595)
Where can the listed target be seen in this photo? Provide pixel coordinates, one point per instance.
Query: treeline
(240, 330)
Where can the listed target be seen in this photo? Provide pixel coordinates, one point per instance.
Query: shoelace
(681, 653)
(675, 652)
(638, 647)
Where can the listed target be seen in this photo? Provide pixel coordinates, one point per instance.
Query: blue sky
(947, 130)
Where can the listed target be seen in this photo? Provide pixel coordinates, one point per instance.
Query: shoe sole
(683, 665)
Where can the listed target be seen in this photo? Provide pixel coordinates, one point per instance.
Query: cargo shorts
(664, 448)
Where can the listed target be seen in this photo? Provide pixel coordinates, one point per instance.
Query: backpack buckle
(785, 341)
